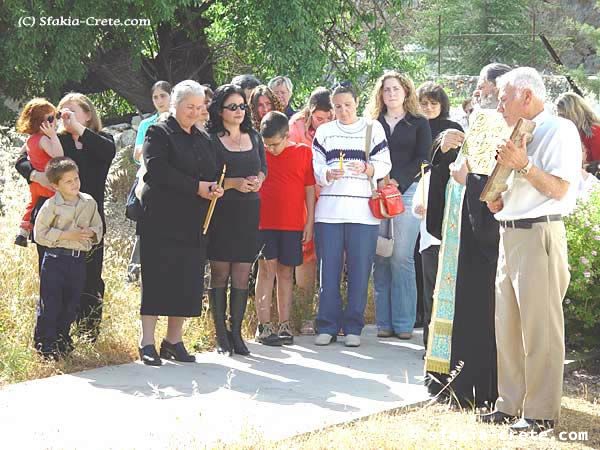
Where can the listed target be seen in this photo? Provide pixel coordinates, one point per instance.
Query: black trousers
(89, 313)
(419, 318)
(62, 279)
(429, 258)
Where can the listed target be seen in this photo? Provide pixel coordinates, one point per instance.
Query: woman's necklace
(233, 143)
(396, 116)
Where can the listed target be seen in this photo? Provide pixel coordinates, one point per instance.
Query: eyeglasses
(234, 107)
(51, 118)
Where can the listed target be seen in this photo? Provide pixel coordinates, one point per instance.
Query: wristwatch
(525, 170)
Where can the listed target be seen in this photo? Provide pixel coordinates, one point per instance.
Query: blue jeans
(395, 280)
(333, 240)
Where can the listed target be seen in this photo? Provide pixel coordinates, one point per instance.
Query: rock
(120, 127)
(17, 139)
(127, 138)
(135, 122)
(116, 138)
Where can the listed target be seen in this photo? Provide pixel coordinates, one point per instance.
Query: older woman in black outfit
(234, 231)
(179, 182)
(93, 151)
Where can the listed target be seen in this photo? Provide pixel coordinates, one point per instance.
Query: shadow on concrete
(334, 377)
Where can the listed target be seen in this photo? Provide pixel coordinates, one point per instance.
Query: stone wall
(460, 87)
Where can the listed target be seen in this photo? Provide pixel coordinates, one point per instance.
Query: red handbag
(386, 201)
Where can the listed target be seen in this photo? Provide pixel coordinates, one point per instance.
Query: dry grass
(431, 427)
(19, 285)
(437, 426)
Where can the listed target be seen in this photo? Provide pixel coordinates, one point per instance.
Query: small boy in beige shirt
(68, 225)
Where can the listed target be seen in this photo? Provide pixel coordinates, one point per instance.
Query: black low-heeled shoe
(175, 351)
(149, 355)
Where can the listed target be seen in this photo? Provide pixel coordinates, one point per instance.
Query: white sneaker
(324, 339)
(352, 340)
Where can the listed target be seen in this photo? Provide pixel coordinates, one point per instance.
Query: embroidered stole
(439, 345)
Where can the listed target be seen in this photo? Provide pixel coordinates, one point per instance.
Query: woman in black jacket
(93, 151)
(394, 104)
(179, 182)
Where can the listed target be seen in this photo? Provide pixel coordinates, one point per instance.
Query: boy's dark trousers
(62, 279)
(90, 307)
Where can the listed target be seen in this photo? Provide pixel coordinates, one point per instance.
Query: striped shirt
(346, 200)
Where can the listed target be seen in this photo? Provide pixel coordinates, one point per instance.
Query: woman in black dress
(234, 230)
(93, 151)
(179, 182)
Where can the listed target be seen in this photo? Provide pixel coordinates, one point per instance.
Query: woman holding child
(344, 223)
(93, 151)
(179, 182)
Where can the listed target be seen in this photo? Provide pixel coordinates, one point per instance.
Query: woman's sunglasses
(51, 118)
(234, 107)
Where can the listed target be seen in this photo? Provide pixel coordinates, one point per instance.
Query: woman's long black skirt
(172, 276)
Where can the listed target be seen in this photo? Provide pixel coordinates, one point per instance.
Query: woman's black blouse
(241, 164)
(409, 145)
(438, 125)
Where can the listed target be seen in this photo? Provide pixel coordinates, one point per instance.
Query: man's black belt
(66, 252)
(528, 223)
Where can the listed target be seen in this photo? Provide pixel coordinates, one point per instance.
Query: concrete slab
(276, 392)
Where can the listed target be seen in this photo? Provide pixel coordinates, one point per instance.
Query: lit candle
(341, 160)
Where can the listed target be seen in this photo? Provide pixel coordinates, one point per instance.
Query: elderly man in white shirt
(532, 276)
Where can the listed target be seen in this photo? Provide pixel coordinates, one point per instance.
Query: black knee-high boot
(218, 307)
(237, 303)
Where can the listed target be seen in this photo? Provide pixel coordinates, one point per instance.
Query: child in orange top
(38, 119)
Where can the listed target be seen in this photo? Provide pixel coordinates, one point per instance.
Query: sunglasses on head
(51, 118)
(344, 84)
(234, 107)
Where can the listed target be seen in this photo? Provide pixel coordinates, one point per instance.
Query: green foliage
(582, 303)
(314, 43)
(42, 58)
(110, 104)
(487, 33)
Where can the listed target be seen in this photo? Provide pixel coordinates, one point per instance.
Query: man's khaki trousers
(531, 282)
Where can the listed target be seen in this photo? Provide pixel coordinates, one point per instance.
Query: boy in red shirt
(287, 207)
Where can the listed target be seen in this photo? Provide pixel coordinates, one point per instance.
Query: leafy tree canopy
(210, 41)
